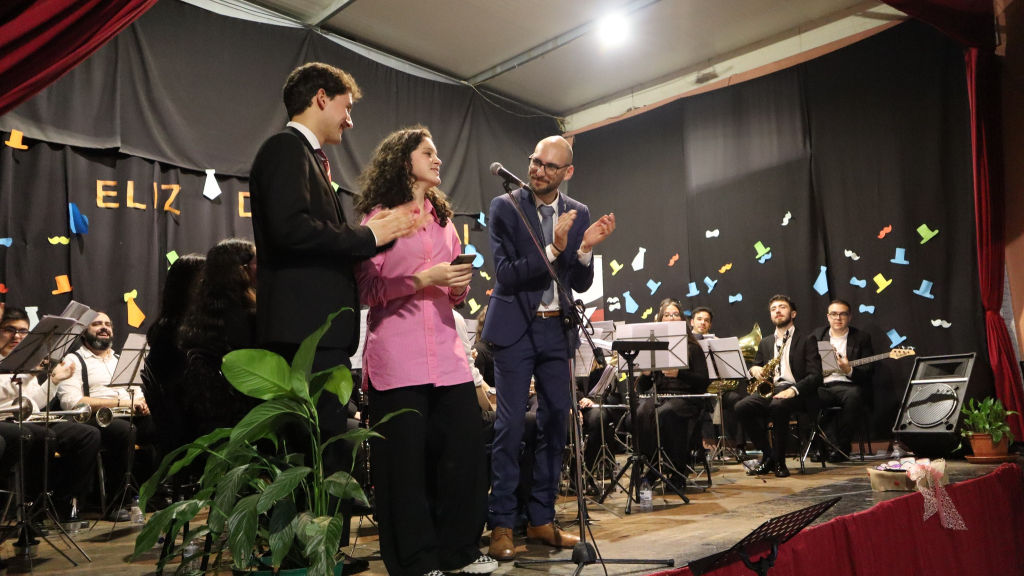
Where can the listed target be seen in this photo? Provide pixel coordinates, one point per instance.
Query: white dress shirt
(839, 343)
(584, 257)
(37, 393)
(101, 373)
(463, 330)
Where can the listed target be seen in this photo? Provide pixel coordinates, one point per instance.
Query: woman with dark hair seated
(220, 318)
(164, 376)
(676, 417)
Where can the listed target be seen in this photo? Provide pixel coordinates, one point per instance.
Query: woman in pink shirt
(428, 470)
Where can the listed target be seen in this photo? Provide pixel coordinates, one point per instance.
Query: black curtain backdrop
(874, 135)
(183, 90)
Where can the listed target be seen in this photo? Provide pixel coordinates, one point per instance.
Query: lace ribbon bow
(935, 497)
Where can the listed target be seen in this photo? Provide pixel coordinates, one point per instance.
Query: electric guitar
(895, 354)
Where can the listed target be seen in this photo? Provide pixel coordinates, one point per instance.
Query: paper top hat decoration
(15, 140)
(925, 290)
(881, 282)
(761, 249)
(926, 233)
(899, 259)
(693, 290)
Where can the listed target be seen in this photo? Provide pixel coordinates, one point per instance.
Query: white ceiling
(464, 38)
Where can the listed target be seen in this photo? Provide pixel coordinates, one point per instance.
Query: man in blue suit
(524, 325)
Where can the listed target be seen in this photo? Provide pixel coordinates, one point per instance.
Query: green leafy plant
(275, 507)
(986, 417)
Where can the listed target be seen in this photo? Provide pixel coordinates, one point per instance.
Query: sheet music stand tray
(766, 537)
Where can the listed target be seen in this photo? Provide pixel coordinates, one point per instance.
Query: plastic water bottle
(137, 516)
(73, 524)
(646, 496)
(190, 551)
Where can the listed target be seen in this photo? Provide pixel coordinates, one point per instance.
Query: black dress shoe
(767, 466)
(836, 457)
(353, 565)
(781, 471)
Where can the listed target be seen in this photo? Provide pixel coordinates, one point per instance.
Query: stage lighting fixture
(613, 29)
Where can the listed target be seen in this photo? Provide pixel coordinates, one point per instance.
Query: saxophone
(764, 386)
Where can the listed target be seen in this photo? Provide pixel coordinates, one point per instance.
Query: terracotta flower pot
(982, 445)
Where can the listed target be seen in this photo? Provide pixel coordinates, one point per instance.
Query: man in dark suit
(524, 326)
(305, 248)
(850, 386)
(797, 379)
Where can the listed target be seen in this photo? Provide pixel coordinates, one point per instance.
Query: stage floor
(714, 520)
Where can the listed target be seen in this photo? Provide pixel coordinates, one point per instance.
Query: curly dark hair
(178, 290)
(306, 80)
(387, 180)
(222, 289)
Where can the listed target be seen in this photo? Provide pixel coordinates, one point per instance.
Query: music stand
(629, 350)
(725, 362)
(127, 374)
(766, 537)
(29, 353)
(675, 358)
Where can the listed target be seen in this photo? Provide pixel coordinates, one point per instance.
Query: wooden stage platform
(714, 520)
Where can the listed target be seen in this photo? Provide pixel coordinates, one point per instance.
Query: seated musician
(94, 365)
(676, 417)
(700, 326)
(796, 377)
(77, 444)
(849, 387)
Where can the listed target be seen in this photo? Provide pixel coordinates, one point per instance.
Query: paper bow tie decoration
(711, 233)
(935, 497)
(857, 282)
(6, 242)
(130, 295)
(867, 309)
(736, 298)
(479, 260)
(613, 303)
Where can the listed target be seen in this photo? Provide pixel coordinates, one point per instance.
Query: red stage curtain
(892, 538)
(42, 41)
(972, 23)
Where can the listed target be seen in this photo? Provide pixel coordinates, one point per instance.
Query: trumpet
(105, 415)
(20, 409)
(81, 414)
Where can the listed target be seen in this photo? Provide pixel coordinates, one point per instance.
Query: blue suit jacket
(522, 276)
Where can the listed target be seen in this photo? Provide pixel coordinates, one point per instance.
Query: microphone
(498, 170)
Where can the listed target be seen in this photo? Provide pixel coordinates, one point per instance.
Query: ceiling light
(613, 29)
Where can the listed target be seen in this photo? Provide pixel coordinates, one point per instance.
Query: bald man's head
(550, 164)
(557, 142)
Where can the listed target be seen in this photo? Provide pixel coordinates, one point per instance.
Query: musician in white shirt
(78, 444)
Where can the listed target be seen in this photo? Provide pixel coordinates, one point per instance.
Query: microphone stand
(584, 552)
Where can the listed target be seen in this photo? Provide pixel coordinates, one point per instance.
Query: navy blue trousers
(541, 354)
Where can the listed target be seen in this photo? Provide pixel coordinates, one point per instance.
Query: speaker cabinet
(929, 418)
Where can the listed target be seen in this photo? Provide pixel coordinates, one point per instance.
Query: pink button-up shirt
(410, 335)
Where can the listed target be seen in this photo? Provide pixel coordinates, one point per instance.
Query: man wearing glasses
(850, 387)
(524, 325)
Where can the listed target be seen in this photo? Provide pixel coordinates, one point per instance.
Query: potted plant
(985, 426)
(274, 508)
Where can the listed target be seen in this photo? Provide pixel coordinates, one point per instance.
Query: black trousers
(70, 475)
(754, 413)
(592, 420)
(118, 441)
(851, 398)
(730, 423)
(428, 476)
(676, 418)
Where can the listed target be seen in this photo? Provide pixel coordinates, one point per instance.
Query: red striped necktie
(323, 160)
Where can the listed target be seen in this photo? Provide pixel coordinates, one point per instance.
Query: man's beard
(94, 342)
(782, 322)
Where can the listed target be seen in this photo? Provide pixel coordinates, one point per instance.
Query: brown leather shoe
(551, 535)
(501, 547)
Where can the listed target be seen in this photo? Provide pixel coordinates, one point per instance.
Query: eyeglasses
(838, 314)
(549, 168)
(10, 330)
(672, 315)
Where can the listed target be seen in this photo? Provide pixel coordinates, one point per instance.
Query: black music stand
(128, 375)
(766, 537)
(30, 352)
(637, 463)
